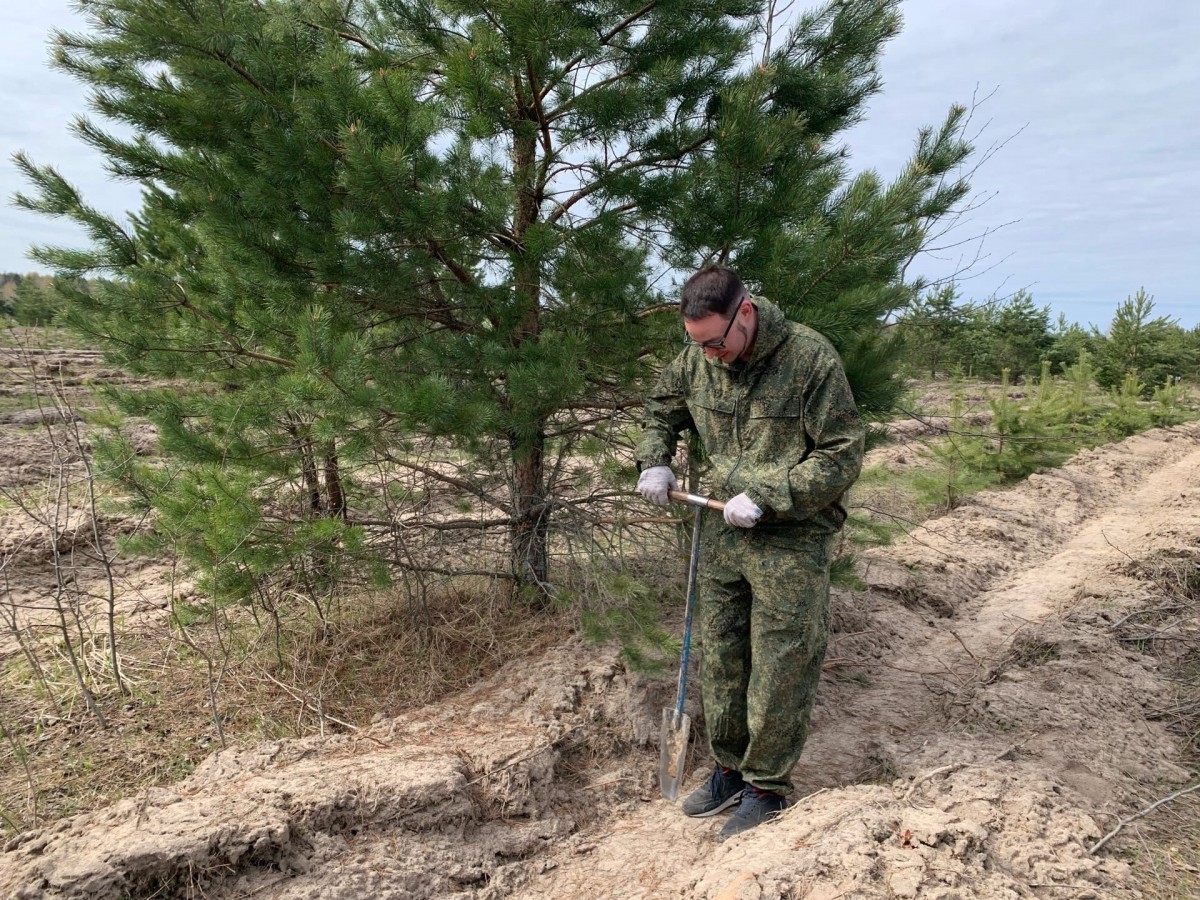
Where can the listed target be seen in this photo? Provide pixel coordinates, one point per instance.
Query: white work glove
(742, 512)
(654, 483)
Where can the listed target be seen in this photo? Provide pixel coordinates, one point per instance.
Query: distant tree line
(32, 299)
(941, 334)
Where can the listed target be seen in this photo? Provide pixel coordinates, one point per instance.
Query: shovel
(676, 724)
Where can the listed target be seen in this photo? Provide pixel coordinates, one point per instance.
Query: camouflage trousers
(762, 611)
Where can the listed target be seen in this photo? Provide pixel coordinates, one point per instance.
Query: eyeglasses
(719, 343)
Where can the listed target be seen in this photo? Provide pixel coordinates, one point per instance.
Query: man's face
(721, 337)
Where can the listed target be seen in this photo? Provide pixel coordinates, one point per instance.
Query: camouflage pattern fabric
(756, 590)
(783, 428)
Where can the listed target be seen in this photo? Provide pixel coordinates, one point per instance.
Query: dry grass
(380, 654)
(1028, 651)
(1170, 630)
(154, 737)
(1164, 848)
(374, 656)
(1164, 851)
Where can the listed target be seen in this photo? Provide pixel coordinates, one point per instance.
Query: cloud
(1101, 169)
(1100, 174)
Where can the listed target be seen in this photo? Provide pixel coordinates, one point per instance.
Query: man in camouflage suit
(770, 402)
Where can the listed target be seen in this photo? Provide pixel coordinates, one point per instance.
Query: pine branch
(437, 524)
(586, 191)
(457, 270)
(539, 114)
(236, 344)
(606, 39)
(344, 35)
(459, 483)
(562, 110)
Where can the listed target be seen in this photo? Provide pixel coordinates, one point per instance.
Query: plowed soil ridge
(979, 727)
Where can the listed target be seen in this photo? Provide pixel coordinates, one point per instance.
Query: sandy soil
(979, 728)
(44, 513)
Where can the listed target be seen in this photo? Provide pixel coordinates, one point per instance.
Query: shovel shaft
(695, 500)
(673, 742)
(693, 566)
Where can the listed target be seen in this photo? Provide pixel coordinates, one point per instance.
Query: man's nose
(710, 352)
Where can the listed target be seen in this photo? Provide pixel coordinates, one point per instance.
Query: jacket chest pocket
(776, 426)
(716, 426)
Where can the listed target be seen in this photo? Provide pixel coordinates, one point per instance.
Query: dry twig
(941, 770)
(1145, 812)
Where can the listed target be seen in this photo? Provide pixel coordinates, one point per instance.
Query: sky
(1086, 121)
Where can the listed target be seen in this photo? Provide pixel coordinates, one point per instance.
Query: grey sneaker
(757, 806)
(720, 792)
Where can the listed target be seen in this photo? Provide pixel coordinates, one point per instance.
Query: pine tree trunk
(333, 484)
(308, 469)
(531, 526)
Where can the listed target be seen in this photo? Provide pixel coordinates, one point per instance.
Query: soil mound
(980, 726)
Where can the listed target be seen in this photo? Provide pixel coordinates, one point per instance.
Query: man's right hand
(655, 482)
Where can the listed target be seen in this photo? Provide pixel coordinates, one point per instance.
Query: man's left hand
(742, 512)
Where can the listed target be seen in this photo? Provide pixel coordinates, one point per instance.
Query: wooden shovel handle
(694, 500)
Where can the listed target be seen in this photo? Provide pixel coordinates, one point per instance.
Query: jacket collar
(772, 330)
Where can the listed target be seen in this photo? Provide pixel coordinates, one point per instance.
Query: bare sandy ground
(979, 728)
(45, 516)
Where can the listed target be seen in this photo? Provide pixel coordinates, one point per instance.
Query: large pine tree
(368, 220)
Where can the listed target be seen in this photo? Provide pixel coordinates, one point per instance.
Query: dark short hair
(712, 289)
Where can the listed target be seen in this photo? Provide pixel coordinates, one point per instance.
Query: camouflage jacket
(782, 427)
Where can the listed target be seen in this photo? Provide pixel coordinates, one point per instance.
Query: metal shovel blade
(673, 748)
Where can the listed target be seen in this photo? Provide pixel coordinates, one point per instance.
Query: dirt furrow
(979, 764)
(979, 727)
